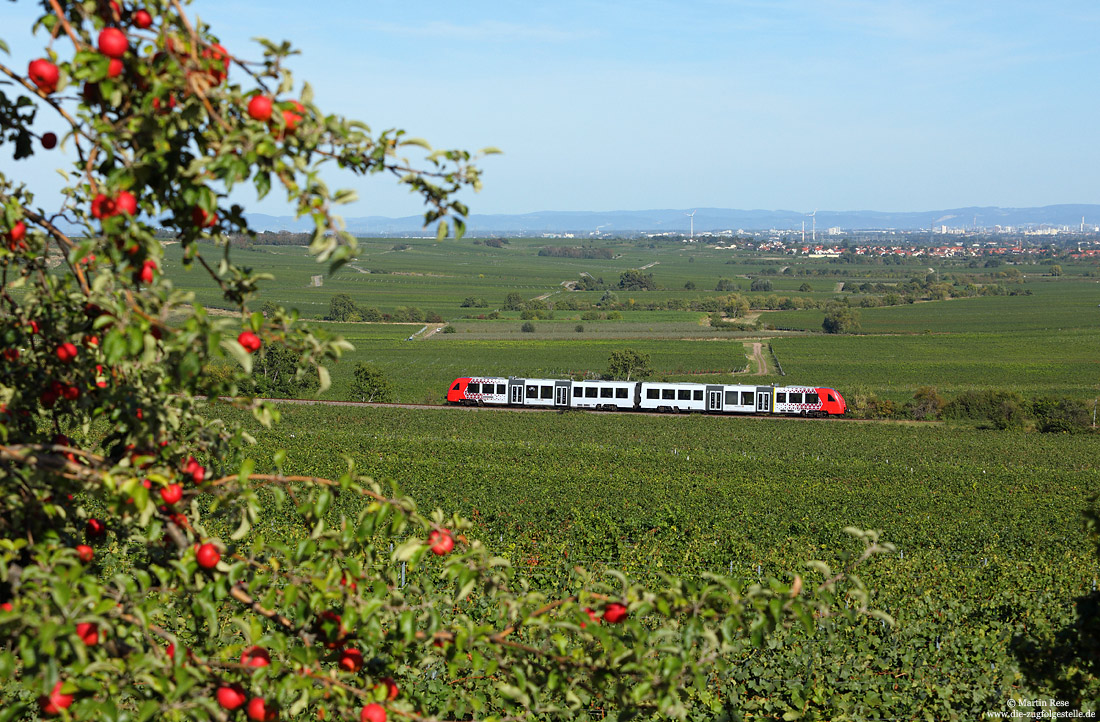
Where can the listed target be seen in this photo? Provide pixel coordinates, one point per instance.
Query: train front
(832, 402)
(456, 394)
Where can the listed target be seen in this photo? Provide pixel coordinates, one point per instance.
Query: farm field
(1039, 342)
(987, 525)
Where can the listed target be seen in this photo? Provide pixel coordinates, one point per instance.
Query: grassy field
(1041, 341)
(990, 549)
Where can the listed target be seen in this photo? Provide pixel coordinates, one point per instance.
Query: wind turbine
(692, 217)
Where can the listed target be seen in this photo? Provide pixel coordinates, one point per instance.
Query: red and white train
(647, 396)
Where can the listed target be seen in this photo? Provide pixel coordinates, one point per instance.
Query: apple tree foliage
(139, 576)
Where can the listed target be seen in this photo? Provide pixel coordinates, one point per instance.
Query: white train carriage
(539, 392)
(658, 396)
(606, 395)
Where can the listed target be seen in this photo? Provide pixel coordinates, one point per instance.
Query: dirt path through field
(758, 359)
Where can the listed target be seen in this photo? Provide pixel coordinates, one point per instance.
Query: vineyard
(990, 549)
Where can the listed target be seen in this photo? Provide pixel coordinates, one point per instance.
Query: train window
(698, 394)
(547, 392)
(684, 394)
(532, 392)
(830, 397)
(473, 388)
(781, 398)
(668, 394)
(746, 398)
(796, 398)
(590, 392)
(621, 393)
(652, 394)
(578, 392)
(812, 399)
(500, 389)
(605, 393)
(731, 398)
(455, 387)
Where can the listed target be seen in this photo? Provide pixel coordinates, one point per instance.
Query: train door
(714, 398)
(763, 399)
(561, 393)
(516, 393)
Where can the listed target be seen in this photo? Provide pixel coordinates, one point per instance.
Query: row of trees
(342, 307)
(1001, 409)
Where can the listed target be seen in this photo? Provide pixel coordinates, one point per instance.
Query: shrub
(527, 327)
(579, 328)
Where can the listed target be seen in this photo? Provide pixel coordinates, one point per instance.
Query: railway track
(537, 410)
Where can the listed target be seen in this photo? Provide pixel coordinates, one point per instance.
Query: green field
(991, 555)
(1041, 341)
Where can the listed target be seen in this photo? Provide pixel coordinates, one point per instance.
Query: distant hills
(710, 219)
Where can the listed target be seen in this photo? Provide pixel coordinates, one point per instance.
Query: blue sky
(795, 104)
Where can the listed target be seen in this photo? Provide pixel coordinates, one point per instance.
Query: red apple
(373, 712)
(88, 633)
(43, 74)
(147, 270)
(66, 352)
(7, 607)
(49, 141)
(91, 340)
(442, 542)
(351, 660)
(70, 393)
(113, 42)
(195, 469)
(331, 629)
(143, 19)
(614, 612)
(291, 118)
(260, 710)
(218, 55)
(259, 108)
(255, 657)
(17, 233)
(592, 616)
(114, 68)
(391, 688)
(230, 697)
(202, 219)
(125, 202)
(102, 206)
(95, 528)
(250, 341)
(208, 556)
(172, 494)
(167, 104)
(53, 704)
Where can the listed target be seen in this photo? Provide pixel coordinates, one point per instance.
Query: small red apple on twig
(230, 697)
(113, 43)
(43, 74)
(52, 704)
(250, 341)
(442, 542)
(208, 556)
(373, 712)
(255, 657)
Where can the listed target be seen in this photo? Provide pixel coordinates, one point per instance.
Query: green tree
(627, 363)
(841, 319)
(635, 280)
(276, 373)
(528, 327)
(342, 308)
(370, 384)
(760, 284)
(513, 301)
(150, 568)
(1056, 270)
(805, 288)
